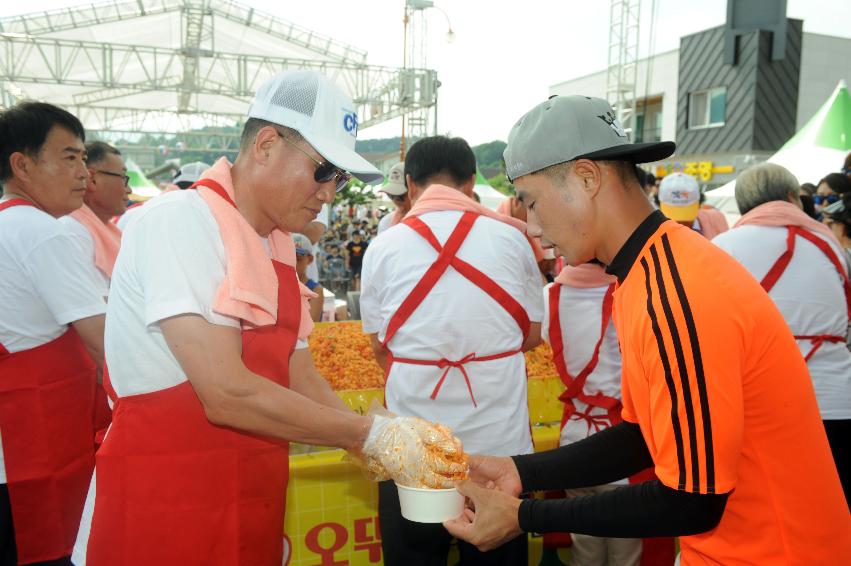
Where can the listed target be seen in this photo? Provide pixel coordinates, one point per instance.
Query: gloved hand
(414, 452)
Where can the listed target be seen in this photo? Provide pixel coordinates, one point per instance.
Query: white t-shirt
(581, 312)
(45, 284)
(76, 228)
(313, 268)
(385, 221)
(456, 319)
(809, 294)
(128, 215)
(172, 261)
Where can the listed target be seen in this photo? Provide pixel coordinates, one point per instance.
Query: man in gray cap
(396, 189)
(703, 349)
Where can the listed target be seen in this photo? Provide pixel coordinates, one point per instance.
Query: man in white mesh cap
(207, 355)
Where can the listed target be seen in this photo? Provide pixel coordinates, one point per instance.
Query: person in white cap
(186, 176)
(680, 200)
(396, 189)
(714, 388)
(304, 259)
(451, 299)
(207, 357)
(801, 264)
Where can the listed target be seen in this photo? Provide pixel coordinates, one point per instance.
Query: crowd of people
(154, 366)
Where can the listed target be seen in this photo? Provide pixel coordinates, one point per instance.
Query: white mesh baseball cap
(190, 172)
(309, 103)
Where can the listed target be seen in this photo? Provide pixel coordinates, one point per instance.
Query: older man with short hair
(51, 336)
(801, 265)
(207, 355)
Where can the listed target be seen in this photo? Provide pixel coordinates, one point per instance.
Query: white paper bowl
(430, 505)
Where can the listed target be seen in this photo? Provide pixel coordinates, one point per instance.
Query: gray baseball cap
(565, 128)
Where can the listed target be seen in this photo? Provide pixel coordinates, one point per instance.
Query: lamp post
(410, 57)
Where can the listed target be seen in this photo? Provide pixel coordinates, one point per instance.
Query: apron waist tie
(446, 365)
(819, 339)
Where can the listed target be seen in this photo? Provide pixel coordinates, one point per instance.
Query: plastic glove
(414, 453)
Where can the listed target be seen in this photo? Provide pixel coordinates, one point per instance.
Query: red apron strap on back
(216, 188)
(556, 340)
(14, 202)
(828, 251)
(489, 286)
(575, 385)
(433, 273)
(781, 264)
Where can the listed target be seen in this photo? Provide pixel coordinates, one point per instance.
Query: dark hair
(839, 183)
(809, 204)
(254, 125)
(651, 179)
(24, 128)
(808, 188)
(437, 155)
(97, 151)
(643, 177)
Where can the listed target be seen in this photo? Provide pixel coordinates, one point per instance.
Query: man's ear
(262, 143)
(591, 175)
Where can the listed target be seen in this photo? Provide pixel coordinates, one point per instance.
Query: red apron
(657, 551)
(174, 489)
(575, 385)
(46, 405)
(447, 257)
(782, 263)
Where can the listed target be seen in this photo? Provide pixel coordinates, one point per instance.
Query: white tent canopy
(489, 196)
(817, 149)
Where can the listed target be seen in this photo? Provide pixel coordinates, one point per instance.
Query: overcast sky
(506, 53)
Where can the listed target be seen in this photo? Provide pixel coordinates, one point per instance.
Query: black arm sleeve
(649, 509)
(609, 455)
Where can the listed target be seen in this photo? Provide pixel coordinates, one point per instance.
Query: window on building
(707, 108)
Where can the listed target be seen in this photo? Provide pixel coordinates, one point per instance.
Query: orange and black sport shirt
(715, 380)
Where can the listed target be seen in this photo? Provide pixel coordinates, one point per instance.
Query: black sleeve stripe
(669, 380)
(682, 372)
(698, 367)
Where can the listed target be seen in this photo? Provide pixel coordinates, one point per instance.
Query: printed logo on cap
(613, 123)
(395, 175)
(350, 122)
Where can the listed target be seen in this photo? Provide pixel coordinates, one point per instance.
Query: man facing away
(452, 299)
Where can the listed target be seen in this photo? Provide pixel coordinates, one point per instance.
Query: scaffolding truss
(97, 61)
(622, 73)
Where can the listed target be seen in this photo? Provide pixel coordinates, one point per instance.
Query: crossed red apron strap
(782, 263)
(447, 257)
(575, 385)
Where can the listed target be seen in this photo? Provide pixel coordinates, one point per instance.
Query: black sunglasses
(325, 170)
(111, 174)
(398, 198)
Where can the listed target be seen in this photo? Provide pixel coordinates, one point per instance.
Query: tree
(355, 193)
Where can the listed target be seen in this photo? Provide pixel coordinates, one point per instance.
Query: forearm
(310, 383)
(255, 404)
(90, 330)
(649, 509)
(607, 456)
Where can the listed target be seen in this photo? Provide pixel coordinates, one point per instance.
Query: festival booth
(817, 149)
(332, 516)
